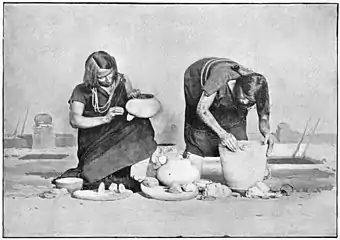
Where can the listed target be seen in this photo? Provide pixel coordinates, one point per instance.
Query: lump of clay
(226, 191)
(218, 190)
(129, 117)
(189, 187)
(175, 188)
(162, 159)
(150, 182)
(286, 189)
(202, 183)
(121, 188)
(113, 187)
(101, 188)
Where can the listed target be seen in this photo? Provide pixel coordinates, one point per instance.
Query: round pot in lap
(242, 169)
(144, 106)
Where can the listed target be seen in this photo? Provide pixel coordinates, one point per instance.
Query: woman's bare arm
(263, 108)
(77, 120)
(226, 139)
(204, 113)
(264, 125)
(263, 111)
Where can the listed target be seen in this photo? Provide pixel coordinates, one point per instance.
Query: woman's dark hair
(96, 61)
(255, 89)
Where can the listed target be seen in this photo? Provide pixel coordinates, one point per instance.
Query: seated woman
(108, 144)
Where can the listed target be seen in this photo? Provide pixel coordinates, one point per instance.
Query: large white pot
(177, 171)
(242, 169)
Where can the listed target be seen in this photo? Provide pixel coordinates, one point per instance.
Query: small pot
(42, 119)
(70, 184)
(164, 152)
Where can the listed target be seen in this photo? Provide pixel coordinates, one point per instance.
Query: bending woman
(108, 144)
(219, 94)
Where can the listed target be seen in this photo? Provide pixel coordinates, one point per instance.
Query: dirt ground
(304, 213)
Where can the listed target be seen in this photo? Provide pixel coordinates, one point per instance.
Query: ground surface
(28, 215)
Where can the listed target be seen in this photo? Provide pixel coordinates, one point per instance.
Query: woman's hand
(228, 140)
(269, 140)
(134, 93)
(114, 111)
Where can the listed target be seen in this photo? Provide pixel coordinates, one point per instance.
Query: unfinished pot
(177, 171)
(242, 169)
(144, 106)
(164, 152)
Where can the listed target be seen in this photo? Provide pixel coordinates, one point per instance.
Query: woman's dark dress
(200, 139)
(106, 152)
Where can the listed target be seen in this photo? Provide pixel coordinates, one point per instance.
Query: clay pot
(242, 169)
(170, 167)
(164, 152)
(144, 106)
(71, 184)
(177, 171)
(42, 119)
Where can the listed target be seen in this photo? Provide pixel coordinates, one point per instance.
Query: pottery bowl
(144, 106)
(70, 184)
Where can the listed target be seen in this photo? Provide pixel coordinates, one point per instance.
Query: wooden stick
(24, 124)
(16, 129)
(302, 138)
(310, 139)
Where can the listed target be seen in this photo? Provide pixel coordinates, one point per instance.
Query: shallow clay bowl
(161, 193)
(70, 184)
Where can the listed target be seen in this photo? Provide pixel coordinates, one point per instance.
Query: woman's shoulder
(80, 93)
(82, 88)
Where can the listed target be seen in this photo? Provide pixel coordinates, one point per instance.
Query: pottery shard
(121, 188)
(150, 182)
(113, 187)
(175, 188)
(101, 188)
(190, 187)
(218, 190)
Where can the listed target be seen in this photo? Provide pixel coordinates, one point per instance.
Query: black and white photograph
(170, 119)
